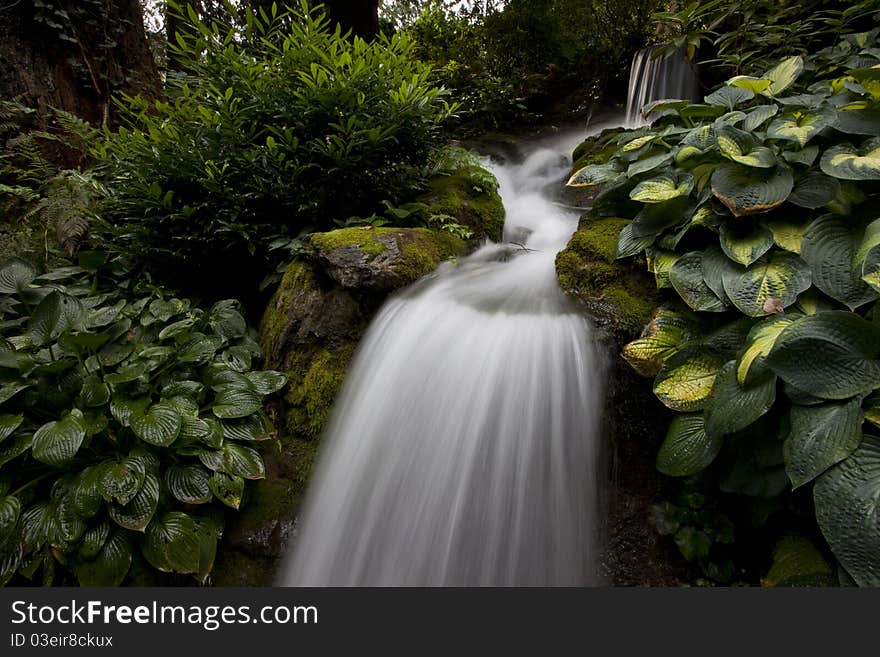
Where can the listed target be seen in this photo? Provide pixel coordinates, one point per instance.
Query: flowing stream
(657, 79)
(464, 446)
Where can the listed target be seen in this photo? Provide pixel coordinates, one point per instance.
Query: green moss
(364, 238)
(470, 194)
(310, 396)
(298, 278)
(620, 294)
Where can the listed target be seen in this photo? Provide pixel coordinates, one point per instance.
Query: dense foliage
(127, 421)
(758, 211)
(282, 128)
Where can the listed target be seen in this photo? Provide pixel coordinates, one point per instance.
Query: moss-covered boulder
(469, 194)
(619, 295)
(595, 149)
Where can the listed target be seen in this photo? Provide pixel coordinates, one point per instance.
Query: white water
(463, 449)
(657, 79)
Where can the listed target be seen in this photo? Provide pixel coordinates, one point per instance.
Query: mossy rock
(619, 295)
(469, 193)
(309, 398)
(382, 259)
(596, 149)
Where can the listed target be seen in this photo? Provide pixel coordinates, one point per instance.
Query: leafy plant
(128, 420)
(757, 211)
(272, 131)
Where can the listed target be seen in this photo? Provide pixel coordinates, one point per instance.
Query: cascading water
(463, 449)
(655, 79)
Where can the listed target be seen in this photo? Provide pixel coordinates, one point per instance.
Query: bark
(75, 56)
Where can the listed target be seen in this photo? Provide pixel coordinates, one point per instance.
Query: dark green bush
(278, 128)
(127, 422)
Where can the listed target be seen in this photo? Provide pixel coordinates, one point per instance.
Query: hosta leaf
(165, 309)
(189, 483)
(10, 559)
(686, 276)
(55, 314)
(123, 408)
(10, 509)
(593, 174)
(267, 382)
(186, 406)
(56, 443)
(226, 319)
(770, 285)
(821, 436)
(755, 85)
(71, 526)
(872, 409)
(15, 275)
(833, 355)
(8, 424)
(847, 499)
(127, 374)
(234, 403)
(211, 458)
(639, 142)
(178, 327)
(93, 540)
(242, 461)
(745, 248)
(199, 349)
(648, 164)
(159, 425)
(227, 488)
(663, 188)
(859, 121)
(99, 317)
(849, 163)
(190, 389)
(867, 257)
(748, 190)
(788, 233)
(193, 428)
(137, 513)
(800, 127)
(660, 263)
(665, 334)
(214, 438)
(110, 566)
(687, 448)
(756, 117)
(628, 244)
(172, 543)
(686, 378)
(9, 390)
(741, 146)
(797, 562)
(829, 247)
(238, 359)
(760, 343)
(87, 492)
(814, 190)
(732, 407)
(805, 156)
(94, 392)
(783, 75)
(729, 97)
(253, 427)
(121, 481)
(210, 531)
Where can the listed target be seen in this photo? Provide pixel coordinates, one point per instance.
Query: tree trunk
(74, 55)
(359, 16)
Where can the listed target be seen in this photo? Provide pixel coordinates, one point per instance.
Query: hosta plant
(757, 211)
(128, 421)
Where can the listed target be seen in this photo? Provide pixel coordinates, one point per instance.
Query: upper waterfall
(657, 78)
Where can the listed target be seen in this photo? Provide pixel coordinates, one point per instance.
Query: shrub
(127, 421)
(757, 213)
(281, 128)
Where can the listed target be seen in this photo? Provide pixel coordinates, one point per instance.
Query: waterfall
(655, 79)
(464, 446)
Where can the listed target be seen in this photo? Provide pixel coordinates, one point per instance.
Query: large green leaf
(55, 314)
(229, 489)
(110, 566)
(821, 436)
(742, 147)
(10, 509)
(788, 233)
(120, 481)
(254, 427)
(235, 403)
(648, 164)
(665, 334)
(15, 275)
(865, 121)
(847, 499)
(56, 443)
(797, 562)
(139, 511)
(267, 382)
(800, 127)
(847, 162)
(189, 483)
(759, 344)
(86, 491)
(159, 425)
(732, 406)
(829, 247)
(124, 408)
(654, 218)
(866, 259)
(662, 188)
(592, 174)
(770, 285)
(226, 319)
(687, 277)
(729, 97)
(832, 355)
(756, 117)
(685, 380)
(687, 448)
(94, 392)
(814, 190)
(745, 247)
(783, 75)
(628, 244)
(172, 543)
(8, 425)
(93, 540)
(243, 461)
(748, 190)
